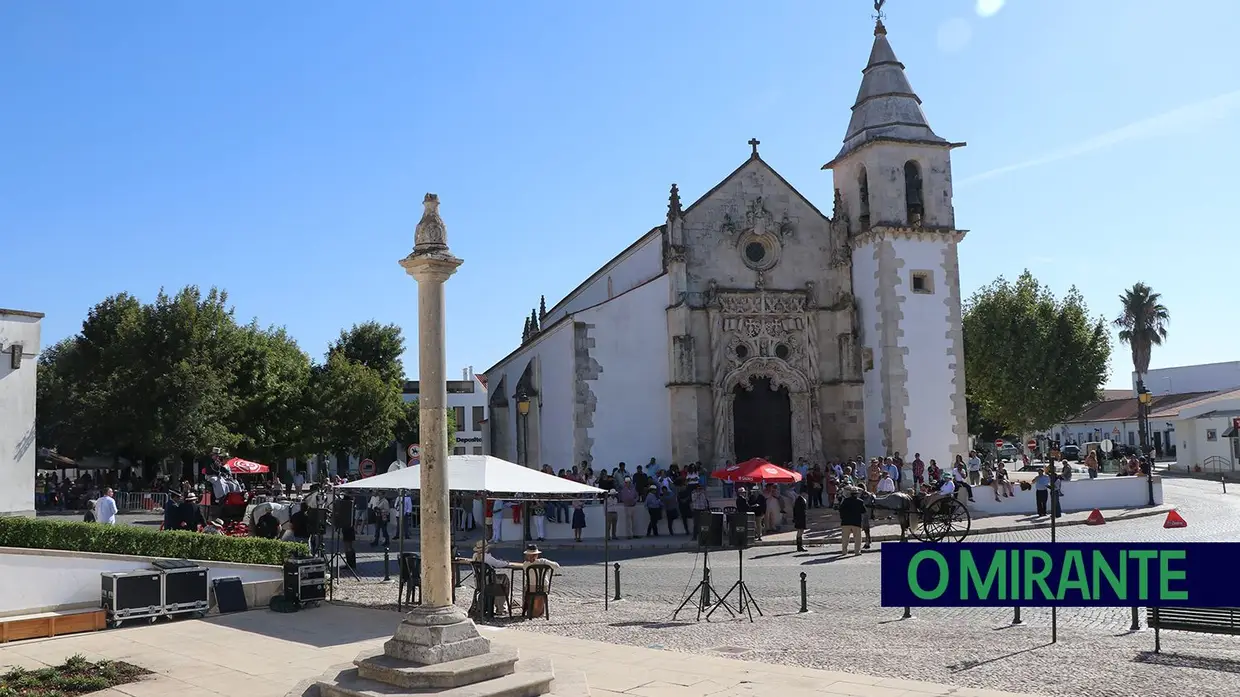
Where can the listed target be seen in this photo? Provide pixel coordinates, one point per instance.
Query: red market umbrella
(238, 466)
(756, 470)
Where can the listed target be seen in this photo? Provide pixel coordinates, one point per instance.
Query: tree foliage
(1142, 324)
(179, 376)
(409, 430)
(1031, 360)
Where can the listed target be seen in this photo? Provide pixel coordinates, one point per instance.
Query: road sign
(415, 453)
(1032, 444)
(998, 442)
(1107, 445)
(367, 467)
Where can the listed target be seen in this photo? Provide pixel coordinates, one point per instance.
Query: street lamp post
(1143, 429)
(523, 412)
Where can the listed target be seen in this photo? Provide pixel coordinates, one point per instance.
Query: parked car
(1009, 451)
(1071, 452)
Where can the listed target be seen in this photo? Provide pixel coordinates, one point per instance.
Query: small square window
(922, 282)
(1211, 434)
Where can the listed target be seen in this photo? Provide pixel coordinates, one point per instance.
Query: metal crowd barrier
(460, 517)
(140, 501)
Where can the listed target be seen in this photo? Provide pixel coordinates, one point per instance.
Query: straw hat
(217, 523)
(479, 546)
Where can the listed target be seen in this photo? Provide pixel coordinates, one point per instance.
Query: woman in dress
(579, 519)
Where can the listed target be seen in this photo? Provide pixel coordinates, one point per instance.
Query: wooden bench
(1202, 620)
(50, 624)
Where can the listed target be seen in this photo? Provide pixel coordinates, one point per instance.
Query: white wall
(929, 415)
(554, 351)
(17, 413)
(1078, 495)
(865, 288)
(57, 579)
(1195, 447)
(632, 419)
(636, 266)
(1207, 377)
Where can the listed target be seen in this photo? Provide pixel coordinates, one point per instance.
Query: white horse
(282, 513)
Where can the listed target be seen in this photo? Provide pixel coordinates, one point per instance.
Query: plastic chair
(411, 577)
(485, 583)
(537, 585)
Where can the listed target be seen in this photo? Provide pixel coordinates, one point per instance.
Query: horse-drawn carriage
(925, 517)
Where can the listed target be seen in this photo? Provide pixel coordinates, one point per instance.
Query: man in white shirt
(105, 510)
(886, 485)
(975, 468)
(948, 488)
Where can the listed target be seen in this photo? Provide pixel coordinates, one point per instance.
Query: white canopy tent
(499, 479)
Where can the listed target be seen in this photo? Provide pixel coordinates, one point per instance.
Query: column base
(436, 635)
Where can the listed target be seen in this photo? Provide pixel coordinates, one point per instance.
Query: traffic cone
(1175, 520)
(1095, 518)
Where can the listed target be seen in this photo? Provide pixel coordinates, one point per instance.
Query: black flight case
(305, 580)
(132, 595)
(186, 589)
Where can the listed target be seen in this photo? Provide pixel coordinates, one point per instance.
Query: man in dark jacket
(852, 518)
(172, 512)
(799, 517)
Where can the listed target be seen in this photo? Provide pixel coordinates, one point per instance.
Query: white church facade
(752, 324)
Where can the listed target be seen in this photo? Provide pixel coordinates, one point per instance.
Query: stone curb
(685, 546)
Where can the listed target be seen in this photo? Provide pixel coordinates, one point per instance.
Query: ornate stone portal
(772, 335)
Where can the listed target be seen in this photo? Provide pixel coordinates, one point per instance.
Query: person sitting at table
(499, 591)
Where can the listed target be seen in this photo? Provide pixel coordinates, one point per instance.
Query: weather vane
(878, 9)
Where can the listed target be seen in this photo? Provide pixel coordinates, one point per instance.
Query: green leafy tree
(376, 346)
(1032, 360)
(271, 384)
(409, 429)
(1142, 324)
(353, 408)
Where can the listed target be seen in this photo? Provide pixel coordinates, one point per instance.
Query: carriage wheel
(946, 520)
(915, 528)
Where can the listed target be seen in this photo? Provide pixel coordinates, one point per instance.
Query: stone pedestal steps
(498, 673)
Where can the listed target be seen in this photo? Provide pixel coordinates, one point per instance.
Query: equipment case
(305, 580)
(129, 595)
(186, 588)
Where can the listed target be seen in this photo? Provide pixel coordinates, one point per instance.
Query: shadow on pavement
(322, 627)
(970, 665)
(1179, 660)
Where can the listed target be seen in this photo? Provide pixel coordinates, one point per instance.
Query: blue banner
(1110, 574)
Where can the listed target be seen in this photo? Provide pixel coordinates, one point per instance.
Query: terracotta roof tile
(1126, 409)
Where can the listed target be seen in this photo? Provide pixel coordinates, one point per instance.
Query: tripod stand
(333, 504)
(744, 599)
(704, 594)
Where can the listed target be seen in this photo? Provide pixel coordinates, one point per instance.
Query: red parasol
(238, 466)
(756, 470)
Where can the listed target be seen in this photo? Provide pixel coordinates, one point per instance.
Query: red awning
(756, 470)
(238, 466)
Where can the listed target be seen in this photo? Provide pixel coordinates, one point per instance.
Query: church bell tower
(893, 177)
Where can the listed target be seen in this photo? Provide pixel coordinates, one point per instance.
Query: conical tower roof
(887, 108)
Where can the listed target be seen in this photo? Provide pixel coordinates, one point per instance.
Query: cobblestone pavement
(847, 629)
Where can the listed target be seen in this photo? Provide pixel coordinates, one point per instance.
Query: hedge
(36, 533)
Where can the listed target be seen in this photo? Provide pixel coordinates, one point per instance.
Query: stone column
(438, 630)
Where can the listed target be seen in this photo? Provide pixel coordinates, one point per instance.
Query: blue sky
(281, 149)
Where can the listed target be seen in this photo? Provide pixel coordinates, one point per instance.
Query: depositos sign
(1065, 575)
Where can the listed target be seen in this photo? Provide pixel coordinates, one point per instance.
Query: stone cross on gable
(754, 143)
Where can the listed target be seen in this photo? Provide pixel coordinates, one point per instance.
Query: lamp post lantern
(523, 413)
(1144, 399)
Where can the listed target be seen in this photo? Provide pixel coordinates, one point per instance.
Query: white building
(1205, 433)
(1205, 377)
(19, 345)
(752, 324)
(467, 399)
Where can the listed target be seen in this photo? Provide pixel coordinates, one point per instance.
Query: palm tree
(1142, 325)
